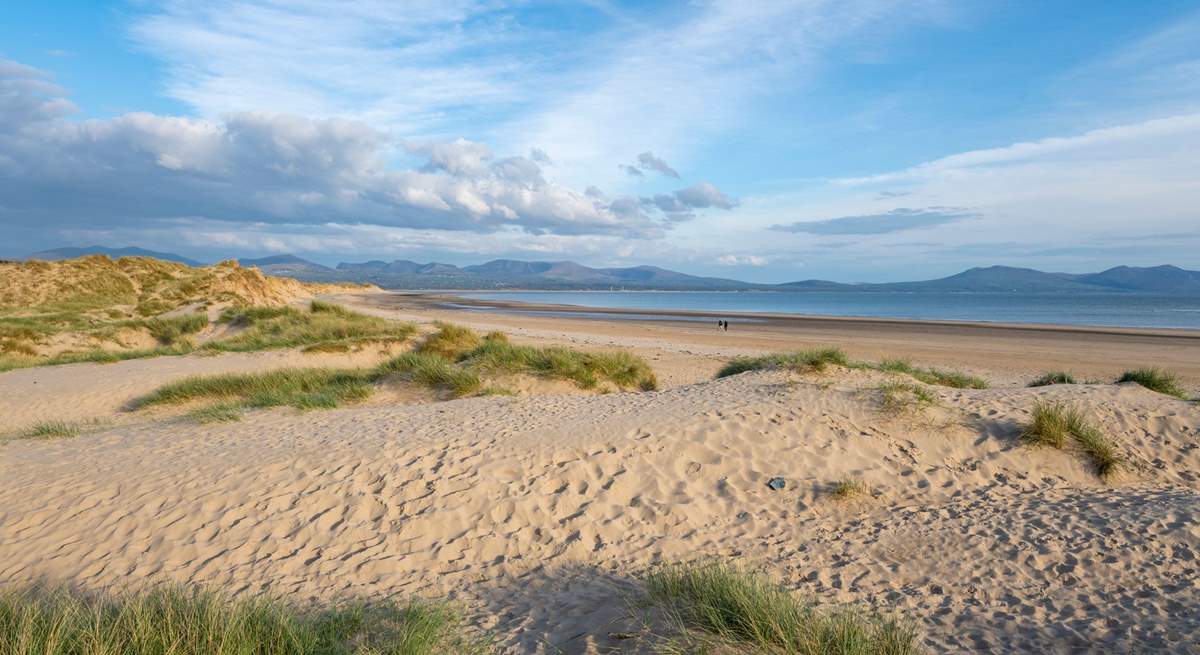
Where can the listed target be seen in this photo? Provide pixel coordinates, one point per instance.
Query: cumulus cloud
(632, 171)
(277, 168)
(647, 161)
(681, 205)
(896, 220)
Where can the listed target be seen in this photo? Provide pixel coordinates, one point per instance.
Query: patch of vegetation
(585, 369)
(720, 608)
(1053, 377)
(303, 388)
(322, 388)
(434, 371)
(1054, 424)
(848, 488)
(168, 331)
(323, 326)
(52, 430)
(1155, 379)
(939, 377)
(902, 397)
(804, 361)
(450, 341)
(179, 621)
(218, 413)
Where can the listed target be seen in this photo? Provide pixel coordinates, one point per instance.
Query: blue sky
(857, 140)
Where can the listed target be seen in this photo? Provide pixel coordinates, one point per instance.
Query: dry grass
(180, 621)
(715, 607)
(586, 369)
(1055, 425)
(848, 488)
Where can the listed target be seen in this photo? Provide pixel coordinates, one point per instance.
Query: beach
(540, 512)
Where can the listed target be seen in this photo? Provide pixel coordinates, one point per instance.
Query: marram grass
(720, 608)
(1055, 425)
(1155, 379)
(181, 621)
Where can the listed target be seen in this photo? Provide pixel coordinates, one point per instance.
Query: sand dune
(537, 513)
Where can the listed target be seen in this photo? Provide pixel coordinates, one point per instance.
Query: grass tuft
(325, 325)
(585, 369)
(52, 430)
(433, 371)
(169, 331)
(450, 341)
(902, 397)
(1053, 377)
(1054, 424)
(803, 361)
(720, 608)
(1155, 379)
(939, 377)
(848, 488)
(304, 388)
(179, 621)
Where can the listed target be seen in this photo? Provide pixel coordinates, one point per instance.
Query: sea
(1099, 309)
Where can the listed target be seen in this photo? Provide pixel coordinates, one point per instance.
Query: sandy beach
(538, 513)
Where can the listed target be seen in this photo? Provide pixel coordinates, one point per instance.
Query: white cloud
(743, 260)
(254, 166)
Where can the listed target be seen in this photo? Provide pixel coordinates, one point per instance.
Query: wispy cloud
(896, 220)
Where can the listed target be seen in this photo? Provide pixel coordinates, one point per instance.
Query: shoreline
(450, 301)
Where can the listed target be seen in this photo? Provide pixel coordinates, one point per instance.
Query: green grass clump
(939, 377)
(450, 341)
(170, 330)
(803, 361)
(901, 397)
(1054, 424)
(433, 371)
(1155, 379)
(218, 413)
(848, 488)
(585, 369)
(304, 388)
(51, 430)
(179, 621)
(1053, 377)
(720, 608)
(272, 328)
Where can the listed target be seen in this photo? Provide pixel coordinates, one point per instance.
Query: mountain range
(517, 274)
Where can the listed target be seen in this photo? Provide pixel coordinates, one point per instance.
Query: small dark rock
(776, 484)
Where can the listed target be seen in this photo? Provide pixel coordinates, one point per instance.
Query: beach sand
(538, 513)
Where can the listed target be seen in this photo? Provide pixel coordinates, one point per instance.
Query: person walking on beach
(726, 325)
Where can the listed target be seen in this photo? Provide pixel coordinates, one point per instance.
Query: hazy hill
(286, 265)
(1156, 278)
(519, 274)
(116, 253)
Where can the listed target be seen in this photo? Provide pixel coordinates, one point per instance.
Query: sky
(769, 141)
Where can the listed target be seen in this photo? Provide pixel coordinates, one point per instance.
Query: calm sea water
(1110, 309)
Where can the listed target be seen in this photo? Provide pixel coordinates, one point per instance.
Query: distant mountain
(992, 278)
(286, 265)
(512, 273)
(1164, 279)
(71, 253)
(1156, 279)
(566, 275)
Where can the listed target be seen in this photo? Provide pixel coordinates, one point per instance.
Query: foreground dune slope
(537, 513)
